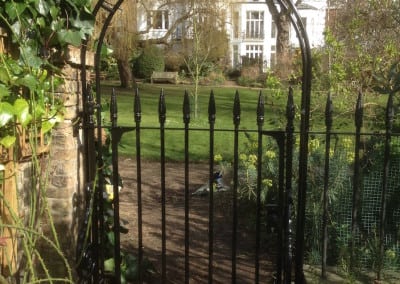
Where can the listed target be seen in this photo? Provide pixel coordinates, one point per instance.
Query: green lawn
(275, 108)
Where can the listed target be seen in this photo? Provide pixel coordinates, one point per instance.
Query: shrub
(249, 76)
(173, 61)
(151, 59)
(272, 81)
(213, 78)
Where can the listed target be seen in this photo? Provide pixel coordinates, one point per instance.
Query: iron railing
(289, 187)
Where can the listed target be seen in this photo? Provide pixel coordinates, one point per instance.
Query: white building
(249, 24)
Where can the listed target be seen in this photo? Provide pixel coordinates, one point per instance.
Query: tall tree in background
(369, 31)
(207, 41)
(121, 36)
(282, 21)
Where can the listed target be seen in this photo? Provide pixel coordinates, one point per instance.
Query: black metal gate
(290, 245)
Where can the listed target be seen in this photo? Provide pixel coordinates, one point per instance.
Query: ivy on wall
(37, 30)
(33, 34)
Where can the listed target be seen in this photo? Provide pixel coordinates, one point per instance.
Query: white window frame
(158, 19)
(255, 24)
(254, 51)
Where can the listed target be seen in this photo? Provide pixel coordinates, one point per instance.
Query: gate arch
(92, 130)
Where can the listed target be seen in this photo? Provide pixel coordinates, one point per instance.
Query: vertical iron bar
(260, 122)
(386, 167)
(357, 177)
(236, 122)
(211, 120)
(186, 120)
(328, 126)
(288, 199)
(91, 167)
(138, 116)
(162, 117)
(98, 203)
(279, 261)
(115, 182)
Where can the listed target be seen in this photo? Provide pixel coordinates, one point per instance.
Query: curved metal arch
(295, 19)
(304, 129)
(90, 145)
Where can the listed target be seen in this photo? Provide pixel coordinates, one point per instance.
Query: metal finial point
(359, 111)
(236, 109)
(186, 108)
(260, 109)
(137, 107)
(211, 107)
(162, 110)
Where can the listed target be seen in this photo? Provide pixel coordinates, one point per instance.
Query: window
(158, 20)
(273, 56)
(255, 24)
(236, 55)
(254, 51)
(236, 25)
(273, 30)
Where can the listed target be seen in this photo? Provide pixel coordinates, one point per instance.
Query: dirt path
(175, 243)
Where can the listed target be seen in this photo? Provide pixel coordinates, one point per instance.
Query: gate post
(295, 18)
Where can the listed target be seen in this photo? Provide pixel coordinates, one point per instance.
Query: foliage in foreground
(37, 31)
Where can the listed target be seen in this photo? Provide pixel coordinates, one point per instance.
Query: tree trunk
(284, 60)
(125, 73)
(283, 55)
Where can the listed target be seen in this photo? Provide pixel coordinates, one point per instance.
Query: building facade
(249, 24)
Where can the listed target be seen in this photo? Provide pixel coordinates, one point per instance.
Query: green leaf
(69, 36)
(131, 272)
(4, 92)
(54, 11)
(41, 22)
(30, 57)
(111, 237)
(14, 9)
(47, 125)
(85, 26)
(8, 141)
(109, 265)
(21, 110)
(43, 7)
(4, 75)
(28, 81)
(6, 113)
(16, 28)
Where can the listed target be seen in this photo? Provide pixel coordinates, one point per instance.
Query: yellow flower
(331, 153)
(217, 158)
(350, 157)
(313, 145)
(267, 182)
(243, 157)
(347, 143)
(270, 154)
(390, 254)
(253, 159)
(109, 192)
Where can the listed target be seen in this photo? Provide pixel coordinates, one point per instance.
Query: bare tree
(207, 38)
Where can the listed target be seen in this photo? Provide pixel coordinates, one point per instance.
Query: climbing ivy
(38, 31)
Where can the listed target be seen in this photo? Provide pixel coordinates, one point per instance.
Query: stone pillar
(65, 187)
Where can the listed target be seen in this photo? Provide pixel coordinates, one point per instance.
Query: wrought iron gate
(290, 245)
(91, 259)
